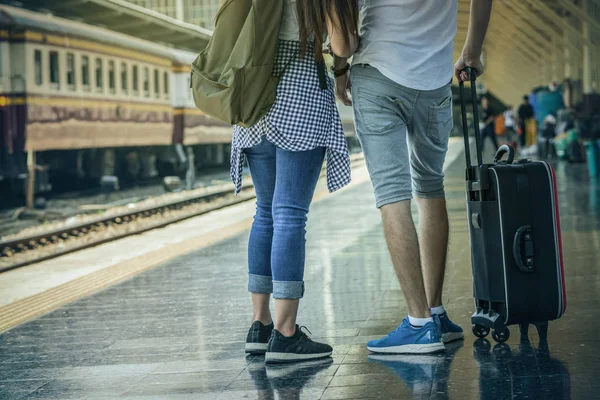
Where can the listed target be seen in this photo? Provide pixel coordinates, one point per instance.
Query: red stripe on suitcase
(560, 250)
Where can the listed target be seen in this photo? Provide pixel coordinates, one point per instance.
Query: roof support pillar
(179, 10)
(558, 70)
(568, 57)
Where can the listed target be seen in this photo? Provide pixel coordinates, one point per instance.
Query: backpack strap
(322, 72)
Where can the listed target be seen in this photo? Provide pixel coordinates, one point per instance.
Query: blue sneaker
(450, 331)
(408, 339)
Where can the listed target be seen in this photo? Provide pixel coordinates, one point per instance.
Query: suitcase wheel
(501, 335)
(480, 331)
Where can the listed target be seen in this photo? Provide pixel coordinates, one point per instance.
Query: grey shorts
(404, 135)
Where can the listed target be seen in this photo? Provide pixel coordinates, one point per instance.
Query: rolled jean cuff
(260, 284)
(288, 289)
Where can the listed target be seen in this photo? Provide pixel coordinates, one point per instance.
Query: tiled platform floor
(177, 332)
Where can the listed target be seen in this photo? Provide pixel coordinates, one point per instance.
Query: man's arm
(342, 83)
(471, 54)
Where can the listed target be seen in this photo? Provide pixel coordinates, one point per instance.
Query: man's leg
(403, 245)
(381, 109)
(433, 240)
(482, 139)
(523, 135)
(494, 138)
(428, 144)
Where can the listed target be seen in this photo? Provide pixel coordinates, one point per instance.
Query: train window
(38, 67)
(146, 82)
(111, 76)
(124, 83)
(99, 82)
(71, 71)
(166, 83)
(156, 83)
(85, 72)
(136, 81)
(54, 70)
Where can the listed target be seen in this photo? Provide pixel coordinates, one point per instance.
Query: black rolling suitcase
(516, 253)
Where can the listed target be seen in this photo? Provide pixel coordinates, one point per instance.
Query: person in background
(488, 120)
(524, 113)
(401, 82)
(285, 152)
(548, 133)
(509, 125)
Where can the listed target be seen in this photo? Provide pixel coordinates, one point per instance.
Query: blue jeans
(285, 183)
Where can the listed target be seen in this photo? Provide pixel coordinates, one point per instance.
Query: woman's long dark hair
(312, 21)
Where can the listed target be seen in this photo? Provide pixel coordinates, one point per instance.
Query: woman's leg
(261, 160)
(297, 176)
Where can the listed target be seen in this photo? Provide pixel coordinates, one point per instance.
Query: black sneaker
(298, 347)
(258, 337)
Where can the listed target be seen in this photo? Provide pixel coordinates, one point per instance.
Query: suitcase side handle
(463, 109)
(523, 249)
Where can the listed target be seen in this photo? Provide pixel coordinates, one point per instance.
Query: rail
(28, 250)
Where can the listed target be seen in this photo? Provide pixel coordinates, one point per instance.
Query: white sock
(438, 310)
(418, 322)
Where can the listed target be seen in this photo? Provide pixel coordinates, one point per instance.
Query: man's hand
(342, 89)
(479, 18)
(464, 62)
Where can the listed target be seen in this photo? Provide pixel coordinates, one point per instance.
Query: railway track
(21, 251)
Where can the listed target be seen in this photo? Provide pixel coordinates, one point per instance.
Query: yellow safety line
(34, 306)
(181, 68)
(78, 102)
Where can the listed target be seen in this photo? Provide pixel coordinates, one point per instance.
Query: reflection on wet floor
(177, 332)
(521, 371)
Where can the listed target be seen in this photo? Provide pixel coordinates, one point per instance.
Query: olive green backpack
(232, 79)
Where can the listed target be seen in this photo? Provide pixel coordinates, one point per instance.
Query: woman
(285, 152)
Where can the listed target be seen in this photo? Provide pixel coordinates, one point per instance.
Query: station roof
(532, 43)
(124, 17)
(529, 43)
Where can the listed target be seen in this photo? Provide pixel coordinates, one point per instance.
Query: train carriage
(93, 102)
(80, 101)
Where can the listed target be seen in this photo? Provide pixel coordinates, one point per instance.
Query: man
(509, 125)
(488, 118)
(401, 92)
(524, 113)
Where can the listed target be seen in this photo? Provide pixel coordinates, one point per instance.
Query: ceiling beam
(535, 20)
(577, 10)
(558, 19)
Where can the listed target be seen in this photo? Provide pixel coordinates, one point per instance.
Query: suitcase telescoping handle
(463, 109)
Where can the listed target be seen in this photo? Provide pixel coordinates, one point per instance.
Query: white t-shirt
(289, 29)
(409, 41)
(509, 119)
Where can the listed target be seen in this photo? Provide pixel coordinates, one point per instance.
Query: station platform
(176, 329)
